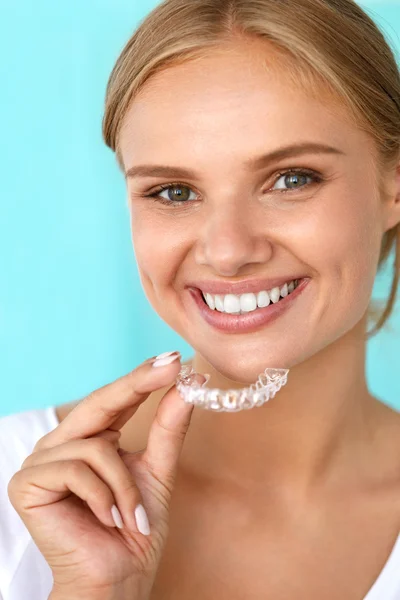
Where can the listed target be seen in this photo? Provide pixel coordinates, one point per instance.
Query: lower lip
(250, 321)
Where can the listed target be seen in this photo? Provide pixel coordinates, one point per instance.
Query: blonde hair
(330, 42)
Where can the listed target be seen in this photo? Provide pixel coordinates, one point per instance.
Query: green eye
(179, 193)
(181, 197)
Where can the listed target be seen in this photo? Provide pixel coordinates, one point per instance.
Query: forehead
(231, 94)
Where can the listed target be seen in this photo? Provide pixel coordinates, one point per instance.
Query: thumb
(167, 433)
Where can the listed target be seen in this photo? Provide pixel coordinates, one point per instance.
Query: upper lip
(242, 287)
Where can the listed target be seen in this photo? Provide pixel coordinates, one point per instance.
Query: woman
(260, 142)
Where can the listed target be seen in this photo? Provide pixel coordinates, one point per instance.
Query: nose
(231, 238)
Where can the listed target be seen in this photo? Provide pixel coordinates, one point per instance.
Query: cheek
(341, 242)
(157, 253)
(353, 240)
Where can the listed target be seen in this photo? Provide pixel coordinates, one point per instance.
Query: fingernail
(207, 377)
(165, 361)
(116, 515)
(142, 521)
(165, 354)
(202, 379)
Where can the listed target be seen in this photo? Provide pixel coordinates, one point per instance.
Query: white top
(24, 573)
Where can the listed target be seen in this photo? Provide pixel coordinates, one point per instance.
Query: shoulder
(38, 419)
(19, 433)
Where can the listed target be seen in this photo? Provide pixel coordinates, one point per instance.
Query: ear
(392, 205)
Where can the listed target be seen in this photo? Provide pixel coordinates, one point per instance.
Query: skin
(321, 461)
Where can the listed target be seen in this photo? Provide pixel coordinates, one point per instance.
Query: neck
(320, 427)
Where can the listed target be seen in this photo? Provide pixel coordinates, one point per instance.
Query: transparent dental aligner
(265, 388)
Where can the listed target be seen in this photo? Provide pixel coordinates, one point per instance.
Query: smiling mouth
(240, 304)
(247, 321)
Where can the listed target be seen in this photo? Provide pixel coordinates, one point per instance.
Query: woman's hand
(66, 489)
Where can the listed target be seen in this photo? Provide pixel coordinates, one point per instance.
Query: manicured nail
(207, 379)
(165, 354)
(165, 361)
(116, 515)
(142, 521)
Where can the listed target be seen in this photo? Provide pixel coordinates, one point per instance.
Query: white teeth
(263, 299)
(243, 303)
(219, 303)
(210, 301)
(248, 302)
(231, 303)
(275, 294)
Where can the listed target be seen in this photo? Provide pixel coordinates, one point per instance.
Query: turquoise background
(73, 315)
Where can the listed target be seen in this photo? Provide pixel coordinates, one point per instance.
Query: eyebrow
(252, 164)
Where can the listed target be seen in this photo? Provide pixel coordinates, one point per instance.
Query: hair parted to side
(324, 45)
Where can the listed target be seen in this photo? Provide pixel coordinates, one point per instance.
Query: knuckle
(75, 467)
(163, 486)
(14, 483)
(139, 382)
(89, 397)
(180, 435)
(128, 486)
(101, 445)
(27, 462)
(16, 487)
(40, 444)
(94, 399)
(100, 492)
(108, 412)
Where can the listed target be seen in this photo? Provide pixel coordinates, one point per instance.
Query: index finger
(112, 405)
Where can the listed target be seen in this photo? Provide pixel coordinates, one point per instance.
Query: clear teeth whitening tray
(265, 388)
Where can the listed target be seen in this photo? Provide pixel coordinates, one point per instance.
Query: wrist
(125, 591)
(105, 595)
(76, 595)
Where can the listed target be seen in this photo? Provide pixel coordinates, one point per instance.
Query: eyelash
(317, 178)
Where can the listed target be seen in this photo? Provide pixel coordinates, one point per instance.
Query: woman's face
(235, 221)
